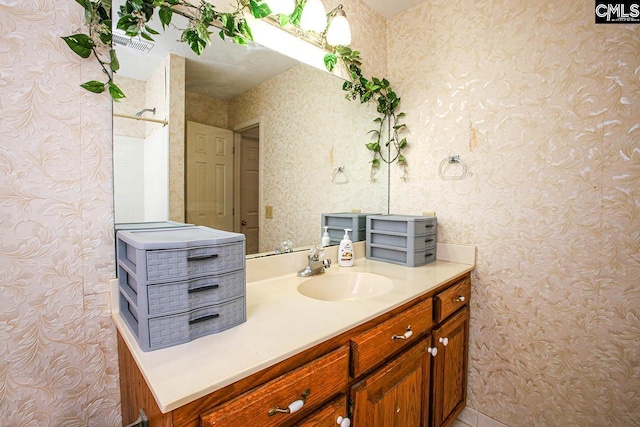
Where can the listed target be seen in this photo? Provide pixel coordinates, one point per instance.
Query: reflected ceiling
(214, 73)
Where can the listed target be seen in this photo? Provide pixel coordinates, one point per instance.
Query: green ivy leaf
(81, 44)
(115, 92)
(165, 14)
(259, 9)
(375, 163)
(114, 64)
(283, 19)
(401, 159)
(297, 14)
(403, 143)
(330, 61)
(93, 86)
(245, 30)
(196, 44)
(86, 4)
(151, 30)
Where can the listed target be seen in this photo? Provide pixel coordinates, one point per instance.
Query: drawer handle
(433, 351)
(444, 341)
(343, 422)
(406, 335)
(203, 318)
(428, 240)
(202, 288)
(461, 298)
(201, 257)
(293, 406)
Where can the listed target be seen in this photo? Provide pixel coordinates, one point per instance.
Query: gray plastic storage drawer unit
(337, 222)
(178, 284)
(401, 239)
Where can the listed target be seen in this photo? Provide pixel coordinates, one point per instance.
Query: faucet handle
(316, 252)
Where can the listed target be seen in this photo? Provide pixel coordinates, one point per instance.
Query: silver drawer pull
(203, 288)
(294, 406)
(203, 318)
(406, 335)
(461, 298)
(201, 257)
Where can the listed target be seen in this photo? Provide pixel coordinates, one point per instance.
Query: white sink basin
(345, 286)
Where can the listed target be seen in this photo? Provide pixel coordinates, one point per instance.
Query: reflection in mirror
(299, 145)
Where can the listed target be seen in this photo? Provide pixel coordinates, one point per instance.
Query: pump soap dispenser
(345, 252)
(326, 240)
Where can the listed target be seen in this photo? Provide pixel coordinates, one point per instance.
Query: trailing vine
(387, 133)
(134, 17)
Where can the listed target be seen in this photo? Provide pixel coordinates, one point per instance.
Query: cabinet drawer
(328, 415)
(323, 378)
(449, 301)
(375, 345)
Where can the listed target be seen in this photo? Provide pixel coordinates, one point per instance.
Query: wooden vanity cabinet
(449, 391)
(394, 370)
(395, 394)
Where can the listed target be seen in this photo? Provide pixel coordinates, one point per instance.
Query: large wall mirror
(242, 139)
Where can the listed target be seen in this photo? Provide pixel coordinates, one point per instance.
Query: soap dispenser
(345, 252)
(326, 240)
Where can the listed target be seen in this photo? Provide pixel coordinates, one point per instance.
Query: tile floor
(472, 418)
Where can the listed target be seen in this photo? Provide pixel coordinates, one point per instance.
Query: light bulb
(339, 32)
(281, 7)
(314, 16)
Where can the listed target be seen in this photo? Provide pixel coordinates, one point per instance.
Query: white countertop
(281, 322)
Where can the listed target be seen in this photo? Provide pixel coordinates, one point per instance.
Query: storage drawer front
(412, 226)
(324, 378)
(165, 265)
(172, 297)
(401, 256)
(449, 301)
(403, 242)
(166, 331)
(372, 347)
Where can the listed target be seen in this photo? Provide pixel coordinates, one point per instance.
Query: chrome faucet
(315, 264)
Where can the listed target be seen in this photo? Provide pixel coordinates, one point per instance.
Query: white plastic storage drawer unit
(401, 239)
(337, 222)
(178, 284)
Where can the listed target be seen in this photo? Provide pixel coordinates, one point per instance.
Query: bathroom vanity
(399, 358)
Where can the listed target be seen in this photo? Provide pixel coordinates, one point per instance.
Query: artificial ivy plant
(134, 17)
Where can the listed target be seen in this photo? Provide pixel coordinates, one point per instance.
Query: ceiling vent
(119, 37)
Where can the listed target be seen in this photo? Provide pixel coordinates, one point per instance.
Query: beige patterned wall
(58, 361)
(552, 204)
(206, 110)
(544, 107)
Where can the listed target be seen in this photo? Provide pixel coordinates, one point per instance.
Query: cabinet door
(397, 394)
(328, 415)
(450, 368)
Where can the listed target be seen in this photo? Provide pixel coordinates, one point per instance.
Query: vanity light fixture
(281, 7)
(314, 16)
(338, 32)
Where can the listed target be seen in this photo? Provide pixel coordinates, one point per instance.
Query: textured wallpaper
(58, 361)
(539, 102)
(544, 108)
